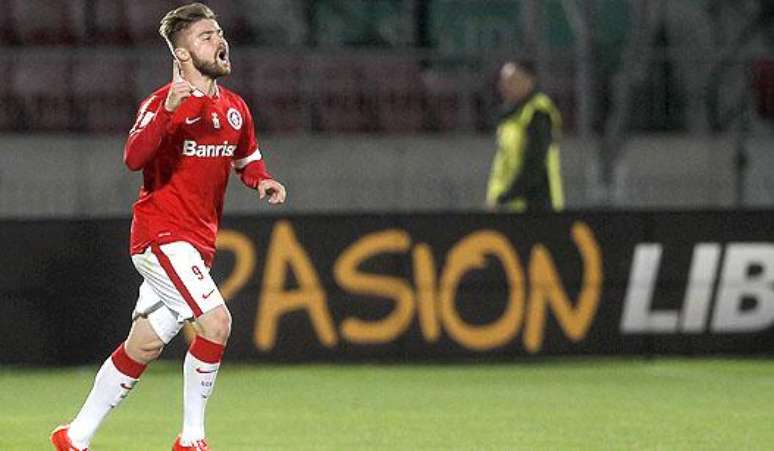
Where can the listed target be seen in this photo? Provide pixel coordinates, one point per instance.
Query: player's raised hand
(179, 90)
(273, 189)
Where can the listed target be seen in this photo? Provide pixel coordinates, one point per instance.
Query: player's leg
(115, 379)
(200, 369)
(153, 325)
(143, 344)
(186, 287)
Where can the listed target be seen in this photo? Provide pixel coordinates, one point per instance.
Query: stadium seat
(152, 70)
(9, 115)
(48, 22)
(763, 85)
(108, 23)
(9, 111)
(273, 86)
(567, 106)
(41, 85)
(394, 87)
(275, 23)
(446, 101)
(104, 103)
(7, 33)
(335, 85)
(231, 17)
(561, 88)
(143, 19)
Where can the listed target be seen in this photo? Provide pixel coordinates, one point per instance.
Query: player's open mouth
(223, 56)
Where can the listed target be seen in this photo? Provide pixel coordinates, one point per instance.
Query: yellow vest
(508, 161)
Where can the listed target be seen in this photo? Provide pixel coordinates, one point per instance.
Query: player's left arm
(249, 164)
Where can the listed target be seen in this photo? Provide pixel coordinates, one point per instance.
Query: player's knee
(216, 325)
(144, 352)
(152, 353)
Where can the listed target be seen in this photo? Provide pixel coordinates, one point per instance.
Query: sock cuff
(205, 350)
(125, 364)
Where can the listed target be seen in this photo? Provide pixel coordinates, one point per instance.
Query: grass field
(557, 405)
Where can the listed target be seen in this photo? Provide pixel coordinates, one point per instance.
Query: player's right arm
(151, 125)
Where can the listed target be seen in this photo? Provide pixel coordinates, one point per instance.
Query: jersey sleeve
(148, 132)
(248, 160)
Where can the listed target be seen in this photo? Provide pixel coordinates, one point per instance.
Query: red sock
(125, 364)
(206, 350)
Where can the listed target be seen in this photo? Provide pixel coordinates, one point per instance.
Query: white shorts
(177, 287)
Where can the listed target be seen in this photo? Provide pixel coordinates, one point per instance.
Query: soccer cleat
(61, 441)
(199, 445)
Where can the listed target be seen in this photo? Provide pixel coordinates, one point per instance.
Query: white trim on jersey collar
(198, 92)
(243, 162)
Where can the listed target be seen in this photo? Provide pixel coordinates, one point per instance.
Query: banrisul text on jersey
(193, 149)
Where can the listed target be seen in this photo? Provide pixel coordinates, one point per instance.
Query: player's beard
(213, 69)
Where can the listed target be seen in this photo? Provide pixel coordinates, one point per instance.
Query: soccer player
(187, 136)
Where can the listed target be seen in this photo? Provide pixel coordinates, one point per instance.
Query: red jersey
(186, 158)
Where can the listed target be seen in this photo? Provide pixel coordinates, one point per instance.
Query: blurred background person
(525, 174)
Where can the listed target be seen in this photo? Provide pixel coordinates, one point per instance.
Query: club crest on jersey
(234, 118)
(193, 149)
(215, 120)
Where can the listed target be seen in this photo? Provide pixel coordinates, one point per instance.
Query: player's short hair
(181, 18)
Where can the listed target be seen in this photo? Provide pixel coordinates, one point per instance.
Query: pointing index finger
(177, 74)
